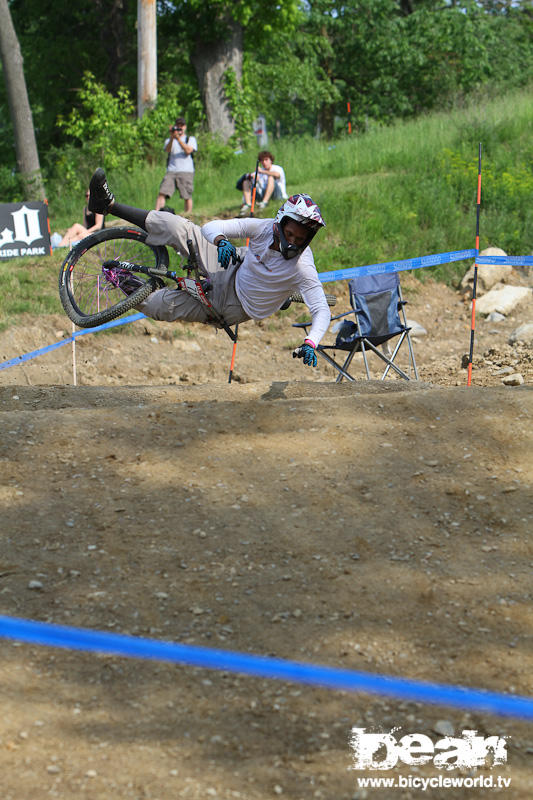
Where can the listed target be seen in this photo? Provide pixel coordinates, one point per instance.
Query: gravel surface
(381, 527)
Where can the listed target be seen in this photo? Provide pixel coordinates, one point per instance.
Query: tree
(146, 55)
(293, 84)
(211, 64)
(88, 35)
(212, 34)
(19, 107)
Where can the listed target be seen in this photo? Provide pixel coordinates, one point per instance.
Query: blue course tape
(13, 362)
(264, 667)
(514, 261)
(325, 277)
(397, 266)
(421, 262)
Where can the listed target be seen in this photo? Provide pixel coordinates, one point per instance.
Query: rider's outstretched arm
(232, 228)
(220, 231)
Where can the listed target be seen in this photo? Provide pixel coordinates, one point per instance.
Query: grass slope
(394, 192)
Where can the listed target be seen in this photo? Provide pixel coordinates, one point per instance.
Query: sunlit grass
(387, 194)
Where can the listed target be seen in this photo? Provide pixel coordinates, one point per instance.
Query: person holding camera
(180, 166)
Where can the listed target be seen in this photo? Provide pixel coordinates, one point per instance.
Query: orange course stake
(234, 351)
(349, 118)
(254, 189)
(48, 223)
(474, 286)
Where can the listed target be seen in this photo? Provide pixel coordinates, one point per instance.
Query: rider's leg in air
(175, 231)
(163, 228)
(102, 201)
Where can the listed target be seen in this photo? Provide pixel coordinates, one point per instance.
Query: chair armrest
(337, 316)
(340, 316)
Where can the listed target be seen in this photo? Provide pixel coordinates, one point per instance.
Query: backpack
(240, 182)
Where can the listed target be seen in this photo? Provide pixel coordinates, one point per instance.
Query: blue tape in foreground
(421, 262)
(260, 666)
(13, 362)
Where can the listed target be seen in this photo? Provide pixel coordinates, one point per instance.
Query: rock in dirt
(416, 328)
(513, 380)
(503, 299)
(524, 333)
(444, 727)
(488, 275)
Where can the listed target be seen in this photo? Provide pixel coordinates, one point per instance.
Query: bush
(105, 131)
(105, 125)
(11, 190)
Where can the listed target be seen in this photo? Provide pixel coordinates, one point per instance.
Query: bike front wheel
(90, 292)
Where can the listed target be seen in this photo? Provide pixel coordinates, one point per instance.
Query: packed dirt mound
(383, 529)
(378, 527)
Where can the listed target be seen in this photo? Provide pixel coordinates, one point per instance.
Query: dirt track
(383, 528)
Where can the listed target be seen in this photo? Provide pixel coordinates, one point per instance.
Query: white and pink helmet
(302, 209)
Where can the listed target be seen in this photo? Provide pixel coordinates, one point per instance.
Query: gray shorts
(174, 304)
(171, 305)
(277, 194)
(182, 181)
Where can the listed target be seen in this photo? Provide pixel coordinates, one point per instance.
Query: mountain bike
(113, 270)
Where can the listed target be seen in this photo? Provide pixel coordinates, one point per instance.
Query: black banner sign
(24, 230)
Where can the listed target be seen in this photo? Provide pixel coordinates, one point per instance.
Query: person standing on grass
(180, 149)
(277, 263)
(270, 184)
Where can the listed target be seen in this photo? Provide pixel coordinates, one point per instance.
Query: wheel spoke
(92, 294)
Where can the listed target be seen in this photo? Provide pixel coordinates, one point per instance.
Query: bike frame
(193, 284)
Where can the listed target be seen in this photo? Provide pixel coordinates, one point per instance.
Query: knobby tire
(90, 301)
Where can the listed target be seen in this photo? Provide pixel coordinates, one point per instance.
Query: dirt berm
(383, 528)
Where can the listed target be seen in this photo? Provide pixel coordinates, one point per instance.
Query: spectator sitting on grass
(91, 223)
(270, 184)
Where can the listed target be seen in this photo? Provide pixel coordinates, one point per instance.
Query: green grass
(29, 285)
(395, 192)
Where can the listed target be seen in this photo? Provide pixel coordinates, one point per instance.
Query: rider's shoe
(262, 204)
(100, 196)
(245, 210)
(122, 279)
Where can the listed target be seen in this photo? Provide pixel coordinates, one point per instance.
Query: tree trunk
(211, 60)
(146, 55)
(407, 7)
(19, 107)
(326, 115)
(116, 40)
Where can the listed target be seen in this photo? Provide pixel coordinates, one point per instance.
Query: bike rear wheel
(90, 293)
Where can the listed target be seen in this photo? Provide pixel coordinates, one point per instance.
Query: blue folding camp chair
(378, 311)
